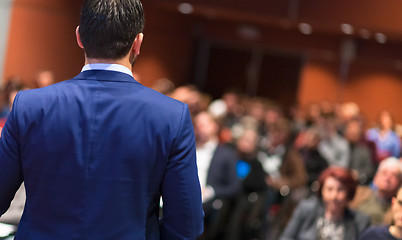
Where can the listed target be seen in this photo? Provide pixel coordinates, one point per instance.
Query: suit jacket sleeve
(181, 194)
(10, 160)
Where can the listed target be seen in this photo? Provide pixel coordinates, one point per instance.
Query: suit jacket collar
(105, 75)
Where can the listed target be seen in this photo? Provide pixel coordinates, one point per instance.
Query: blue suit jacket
(96, 153)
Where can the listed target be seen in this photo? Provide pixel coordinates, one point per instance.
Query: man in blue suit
(96, 152)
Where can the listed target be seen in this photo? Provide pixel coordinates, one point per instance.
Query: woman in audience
(387, 141)
(388, 232)
(328, 217)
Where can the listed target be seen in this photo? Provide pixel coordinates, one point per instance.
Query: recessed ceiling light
(380, 37)
(185, 8)
(347, 28)
(305, 28)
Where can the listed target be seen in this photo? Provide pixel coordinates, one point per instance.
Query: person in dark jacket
(328, 217)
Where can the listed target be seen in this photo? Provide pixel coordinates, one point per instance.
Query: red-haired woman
(328, 217)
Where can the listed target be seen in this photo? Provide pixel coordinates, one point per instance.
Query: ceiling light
(305, 28)
(347, 28)
(185, 8)
(380, 37)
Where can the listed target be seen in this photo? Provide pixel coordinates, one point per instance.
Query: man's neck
(122, 61)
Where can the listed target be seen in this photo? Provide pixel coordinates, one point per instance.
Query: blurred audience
(387, 141)
(286, 174)
(360, 157)
(333, 147)
(375, 200)
(314, 162)
(217, 174)
(9, 91)
(44, 78)
(190, 95)
(164, 86)
(388, 232)
(328, 216)
(248, 218)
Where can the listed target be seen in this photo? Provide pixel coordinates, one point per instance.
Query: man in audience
(375, 200)
(388, 232)
(333, 147)
(360, 157)
(217, 173)
(98, 151)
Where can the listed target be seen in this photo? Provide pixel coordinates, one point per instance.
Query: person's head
(280, 132)
(313, 113)
(397, 208)
(44, 78)
(10, 90)
(273, 114)
(385, 120)
(206, 127)
(348, 111)
(232, 98)
(353, 131)
(164, 86)
(190, 95)
(111, 29)
(312, 138)
(388, 177)
(256, 108)
(247, 142)
(337, 188)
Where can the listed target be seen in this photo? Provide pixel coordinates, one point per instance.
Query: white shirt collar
(108, 67)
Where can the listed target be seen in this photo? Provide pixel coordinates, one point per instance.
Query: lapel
(105, 75)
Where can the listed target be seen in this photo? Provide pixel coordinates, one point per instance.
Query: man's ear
(77, 35)
(137, 44)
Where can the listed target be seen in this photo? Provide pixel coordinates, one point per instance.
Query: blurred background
(290, 51)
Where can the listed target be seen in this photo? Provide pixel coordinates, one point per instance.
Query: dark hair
(108, 27)
(341, 174)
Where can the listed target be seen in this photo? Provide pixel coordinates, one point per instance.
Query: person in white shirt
(217, 172)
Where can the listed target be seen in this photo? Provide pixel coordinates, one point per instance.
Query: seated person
(360, 156)
(217, 173)
(251, 204)
(387, 141)
(328, 217)
(388, 232)
(375, 200)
